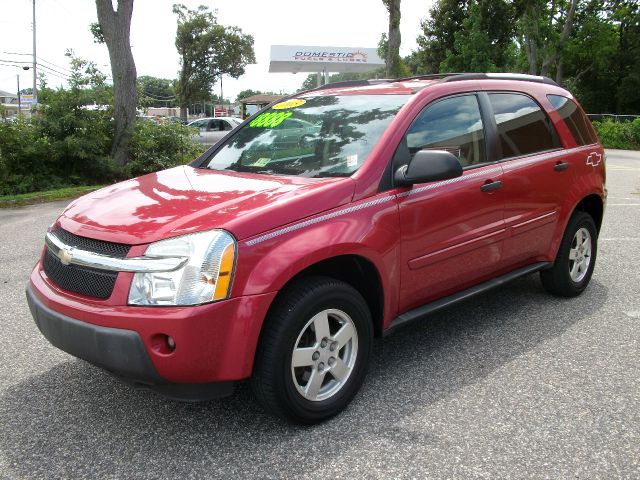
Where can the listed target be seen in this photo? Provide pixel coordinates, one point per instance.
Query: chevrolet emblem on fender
(594, 159)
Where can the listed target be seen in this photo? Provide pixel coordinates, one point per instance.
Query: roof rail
(455, 77)
(445, 77)
(427, 76)
(352, 83)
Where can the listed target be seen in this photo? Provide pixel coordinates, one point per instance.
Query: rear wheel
(314, 350)
(576, 258)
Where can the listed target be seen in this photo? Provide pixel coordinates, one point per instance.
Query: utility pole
(35, 92)
(19, 100)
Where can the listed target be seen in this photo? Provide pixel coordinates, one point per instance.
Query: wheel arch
(594, 206)
(358, 271)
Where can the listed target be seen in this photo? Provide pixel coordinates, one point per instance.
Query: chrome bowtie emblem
(65, 255)
(594, 159)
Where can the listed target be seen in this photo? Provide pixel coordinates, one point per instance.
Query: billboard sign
(300, 58)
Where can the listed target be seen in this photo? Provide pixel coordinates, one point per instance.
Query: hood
(184, 200)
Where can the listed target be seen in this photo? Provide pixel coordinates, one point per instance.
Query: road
(513, 384)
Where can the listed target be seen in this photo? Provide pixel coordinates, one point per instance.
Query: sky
(64, 24)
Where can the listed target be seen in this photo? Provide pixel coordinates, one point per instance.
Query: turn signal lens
(224, 276)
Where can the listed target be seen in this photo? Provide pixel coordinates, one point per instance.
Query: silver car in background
(211, 130)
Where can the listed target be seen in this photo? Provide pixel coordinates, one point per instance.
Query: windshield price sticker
(269, 119)
(294, 102)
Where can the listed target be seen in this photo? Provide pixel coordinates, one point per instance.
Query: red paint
(424, 244)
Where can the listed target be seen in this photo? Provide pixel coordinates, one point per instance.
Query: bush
(68, 141)
(158, 146)
(624, 135)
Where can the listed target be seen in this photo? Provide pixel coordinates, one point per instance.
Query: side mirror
(428, 166)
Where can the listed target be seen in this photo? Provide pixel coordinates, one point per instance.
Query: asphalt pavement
(512, 384)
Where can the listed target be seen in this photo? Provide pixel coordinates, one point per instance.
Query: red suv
(323, 221)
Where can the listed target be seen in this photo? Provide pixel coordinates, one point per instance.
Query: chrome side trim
(73, 256)
(321, 218)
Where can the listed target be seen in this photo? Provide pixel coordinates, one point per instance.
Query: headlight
(206, 277)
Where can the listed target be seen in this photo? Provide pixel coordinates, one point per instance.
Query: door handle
(490, 186)
(560, 166)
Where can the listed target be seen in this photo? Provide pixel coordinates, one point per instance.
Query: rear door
(451, 231)
(536, 175)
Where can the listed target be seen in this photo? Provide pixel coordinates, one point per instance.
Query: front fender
(368, 229)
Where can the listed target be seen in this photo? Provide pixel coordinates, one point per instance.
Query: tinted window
(523, 127)
(226, 125)
(332, 137)
(574, 118)
(453, 124)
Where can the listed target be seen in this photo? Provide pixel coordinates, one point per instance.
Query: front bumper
(118, 351)
(213, 343)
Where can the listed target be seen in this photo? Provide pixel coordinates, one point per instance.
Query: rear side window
(453, 124)
(576, 121)
(523, 127)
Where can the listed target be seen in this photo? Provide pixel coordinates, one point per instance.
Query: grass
(8, 201)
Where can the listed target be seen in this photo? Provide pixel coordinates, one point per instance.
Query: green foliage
(207, 50)
(68, 142)
(158, 146)
(155, 92)
(250, 93)
(482, 44)
(623, 135)
(594, 51)
(438, 34)
(312, 79)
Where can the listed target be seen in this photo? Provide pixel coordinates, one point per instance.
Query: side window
(523, 128)
(226, 125)
(453, 124)
(574, 118)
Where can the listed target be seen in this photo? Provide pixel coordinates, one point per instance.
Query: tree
(207, 51)
(156, 92)
(247, 93)
(483, 44)
(392, 60)
(114, 27)
(546, 28)
(438, 34)
(312, 79)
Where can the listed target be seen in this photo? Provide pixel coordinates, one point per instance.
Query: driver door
(451, 231)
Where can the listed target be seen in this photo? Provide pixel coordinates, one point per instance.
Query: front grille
(83, 280)
(118, 250)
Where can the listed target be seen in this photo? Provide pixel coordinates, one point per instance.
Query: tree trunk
(531, 38)
(115, 27)
(555, 53)
(393, 47)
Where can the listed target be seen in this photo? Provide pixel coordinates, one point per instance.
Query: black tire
(557, 280)
(273, 382)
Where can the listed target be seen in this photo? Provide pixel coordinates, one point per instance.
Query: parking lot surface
(512, 384)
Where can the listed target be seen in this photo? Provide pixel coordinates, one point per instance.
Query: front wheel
(314, 350)
(576, 258)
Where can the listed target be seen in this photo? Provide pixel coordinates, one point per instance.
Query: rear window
(323, 136)
(575, 120)
(523, 127)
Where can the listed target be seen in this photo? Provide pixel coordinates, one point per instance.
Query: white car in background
(212, 129)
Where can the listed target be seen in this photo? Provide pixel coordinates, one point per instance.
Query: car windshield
(322, 136)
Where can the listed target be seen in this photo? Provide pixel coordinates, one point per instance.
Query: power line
(53, 64)
(13, 61)
(53, 70)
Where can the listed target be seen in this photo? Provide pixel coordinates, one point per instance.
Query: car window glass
(453, 124)
(226, 125)
(575, 120)
(523, 127)
(333, 136)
